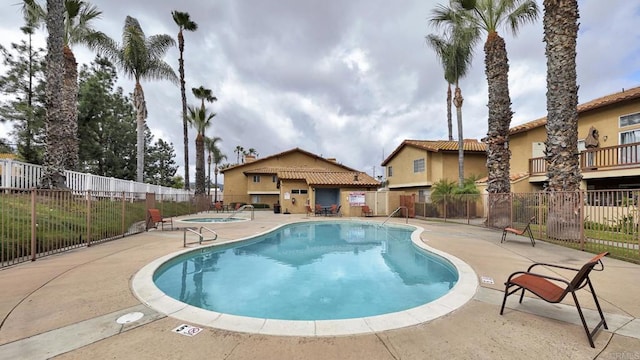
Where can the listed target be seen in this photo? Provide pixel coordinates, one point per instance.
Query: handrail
(199, 234)
(242, 208)
(395, 211)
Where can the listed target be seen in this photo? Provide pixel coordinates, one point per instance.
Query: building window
(629, 154)
(274, 178)
(256, 178)
(389, 171)
(418, 165)
(628, 120)
(299, 191)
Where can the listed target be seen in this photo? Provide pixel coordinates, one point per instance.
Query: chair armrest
(565, 281)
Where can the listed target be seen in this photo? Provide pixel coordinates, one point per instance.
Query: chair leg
(533, 242)
(504, 236)
(504, 300)
(584, 322)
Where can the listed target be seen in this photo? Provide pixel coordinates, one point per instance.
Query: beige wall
(439, 165)
(606, 121)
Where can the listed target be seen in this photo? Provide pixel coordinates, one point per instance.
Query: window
(629, 154)
(418, 165)
(256, 178)
(299, 191)
(274, 178)
(628, 120)
(389, 171)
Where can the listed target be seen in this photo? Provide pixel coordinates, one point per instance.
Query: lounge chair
(218, 207)
(366, 211)
(524, 232)
(154, 217)
(554, 289)
(309, 210)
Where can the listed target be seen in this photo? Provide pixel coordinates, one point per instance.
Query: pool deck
(65, 306)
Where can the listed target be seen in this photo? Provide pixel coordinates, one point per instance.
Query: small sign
(486, 280)
(187, 330)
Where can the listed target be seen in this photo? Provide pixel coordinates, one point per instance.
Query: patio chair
(366, 211)
(524, 232)
(309, 210)
(553, 289)
(154, 218)
(319, 210)
(218, 207)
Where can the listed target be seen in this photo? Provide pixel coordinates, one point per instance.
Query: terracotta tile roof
(328, 177)
(470, 145)
(285, 153)
(615, 98)
(274, 170)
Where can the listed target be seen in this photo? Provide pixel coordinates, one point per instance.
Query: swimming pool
(146, 290)
(311, 271)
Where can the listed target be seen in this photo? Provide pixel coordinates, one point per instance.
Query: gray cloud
(350, 79)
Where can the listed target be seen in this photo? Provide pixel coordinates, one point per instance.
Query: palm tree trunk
(449, 117)
(52, 176)
(185, 127)
(200, 175)
(563, 167)
(457, 101)
(498, 153)
(141, 115)
(70, 110)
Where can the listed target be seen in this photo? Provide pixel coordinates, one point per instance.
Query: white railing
(16, 175)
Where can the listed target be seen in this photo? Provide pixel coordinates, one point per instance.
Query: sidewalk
(66, 306)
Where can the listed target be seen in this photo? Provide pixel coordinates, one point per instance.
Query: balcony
(606, 158)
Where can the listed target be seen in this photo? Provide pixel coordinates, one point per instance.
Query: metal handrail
(395, 211)
(242, 208)
(199, 234)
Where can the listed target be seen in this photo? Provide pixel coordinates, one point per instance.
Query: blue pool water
(311, 271)
(213, 220)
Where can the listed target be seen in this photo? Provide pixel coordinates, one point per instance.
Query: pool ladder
(200, 235)
(395, 211)
(248, 206)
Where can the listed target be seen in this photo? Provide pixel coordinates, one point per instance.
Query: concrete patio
(65, 307)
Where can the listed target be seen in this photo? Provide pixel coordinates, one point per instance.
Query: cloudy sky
(345, 79)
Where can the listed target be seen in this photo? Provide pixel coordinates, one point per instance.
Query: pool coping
(146, 291)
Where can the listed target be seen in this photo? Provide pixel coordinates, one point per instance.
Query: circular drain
(130, 317)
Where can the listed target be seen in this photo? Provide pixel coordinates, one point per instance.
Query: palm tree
(78, 16)
(563, 168)
(54, 154)
(182, 19)
(487, 16)
(239, 150)
(203, 94)
(140, 57)
(200, 119)
(252, 151)
(210, 146)
(218, 157)
(455, 53)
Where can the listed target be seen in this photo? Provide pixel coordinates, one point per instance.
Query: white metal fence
(16, 175)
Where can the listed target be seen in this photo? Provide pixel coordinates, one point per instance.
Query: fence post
(88, 196)
(581, 198)
(124, 201)
(33, 225)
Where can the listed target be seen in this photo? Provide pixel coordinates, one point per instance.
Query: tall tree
(106, 123)
(487, 16)
(218, 157)
(78, 16)
(200, 119)
(23, 102)
(54, 164)
(455, 51)
(140, 57)
(160, 164)
(184, 22)
(563, 166)
(204, 94)
(211, 146)
(239, 150)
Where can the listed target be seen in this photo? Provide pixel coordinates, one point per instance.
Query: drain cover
(130, 317)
